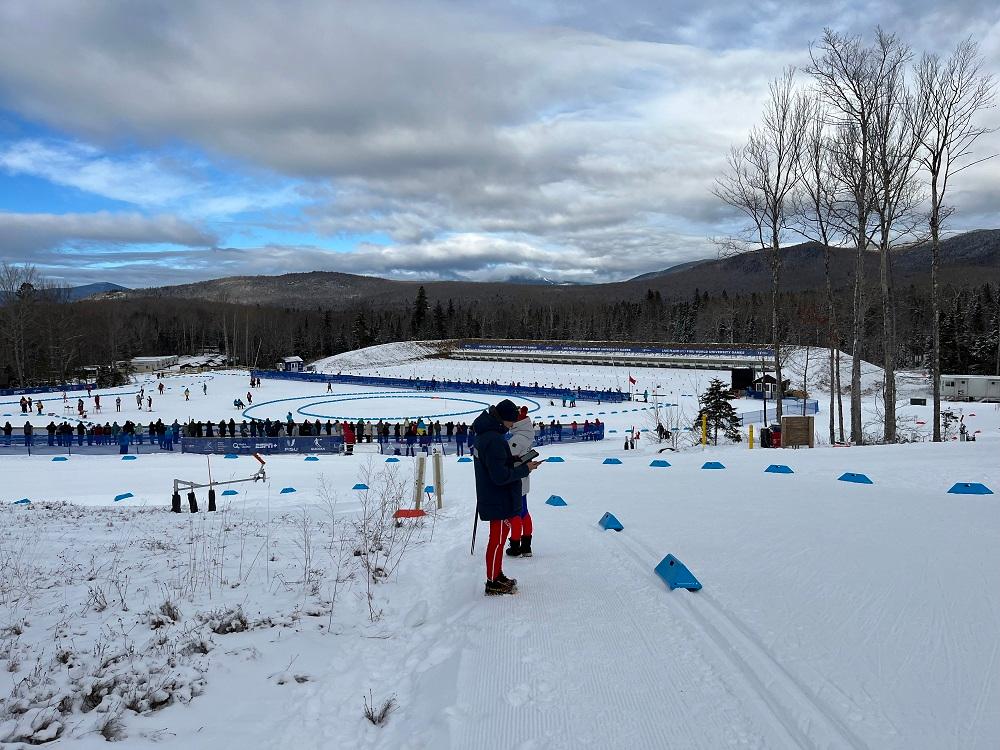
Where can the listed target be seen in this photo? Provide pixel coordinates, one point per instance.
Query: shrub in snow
(223, 621)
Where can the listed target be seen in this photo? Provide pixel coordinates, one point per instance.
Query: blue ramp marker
(286, 490)
(358, 486)
(970, 488)
(128, 457)
(60, 458)
(676, 575)
(465, 460)
(392, 460)
(555, 460)
(608, 521)
(850, 476)
(712, 465)
(612, 461)
(22, 501)
(611, 432)
(230, 455)
(778, 469)
(229, 493)
(123, 496)
(659, 463)
(555, 500)
(311, 458)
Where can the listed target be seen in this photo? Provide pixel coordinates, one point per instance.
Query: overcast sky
(149, 143)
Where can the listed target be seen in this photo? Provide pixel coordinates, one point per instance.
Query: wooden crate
(798, 431)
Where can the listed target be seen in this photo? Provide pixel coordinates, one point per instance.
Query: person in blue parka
(498, 487)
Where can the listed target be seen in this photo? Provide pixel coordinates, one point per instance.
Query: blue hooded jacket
(498, 481)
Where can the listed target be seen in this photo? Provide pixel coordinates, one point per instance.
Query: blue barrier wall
(46, 389)
(445, 385)
(333, 444)
(247, 446)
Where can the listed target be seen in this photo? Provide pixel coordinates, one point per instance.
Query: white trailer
(970, 387)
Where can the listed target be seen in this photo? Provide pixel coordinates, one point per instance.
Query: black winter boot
(515, 549)
(526, 545)
(500, 586)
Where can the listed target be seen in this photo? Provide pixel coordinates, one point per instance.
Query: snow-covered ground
(833, 614)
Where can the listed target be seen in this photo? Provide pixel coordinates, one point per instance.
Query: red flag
(631, 380)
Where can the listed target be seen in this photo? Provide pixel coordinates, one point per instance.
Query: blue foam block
(123, 496)
(676, 575)
(850, 476)
(555, 460)
(612, 460)
(778, 469)
(465, 460)
(712, 465)
(659, 463)
(392, 460)
(22, 501)
(608, 521)
(286, 490)
(970, 488)
(555, 500)
(311, 458)
(358, 486)
(60, 458)
(128, 457)
(230, 455)
(228, 493)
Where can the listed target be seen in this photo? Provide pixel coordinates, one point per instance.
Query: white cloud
(578, 138)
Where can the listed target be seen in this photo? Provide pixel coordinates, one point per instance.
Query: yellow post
(751, 437)
(704, 429)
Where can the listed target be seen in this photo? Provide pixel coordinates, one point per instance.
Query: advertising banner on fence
(248, 446)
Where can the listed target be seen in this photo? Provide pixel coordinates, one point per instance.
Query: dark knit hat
(507, 410)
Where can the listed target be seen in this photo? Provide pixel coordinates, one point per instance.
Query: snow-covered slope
(380, 355)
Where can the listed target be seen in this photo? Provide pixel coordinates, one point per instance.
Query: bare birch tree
(953, 93)
(759, 183)
(899, 123)
(816, 213)
(847, 75)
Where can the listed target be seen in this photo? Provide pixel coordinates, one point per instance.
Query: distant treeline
(46, 339)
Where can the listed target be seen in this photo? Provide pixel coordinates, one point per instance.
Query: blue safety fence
(82, 386)
(790, 407)
(41, 444)
(455, 386)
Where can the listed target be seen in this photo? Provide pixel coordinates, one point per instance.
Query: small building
(291, 364)
(152, 364)
(766, 386)
(970, 387)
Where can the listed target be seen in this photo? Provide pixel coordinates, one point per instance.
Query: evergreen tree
(360, 332)
(719, 412)
(440, 330)
(420, 307)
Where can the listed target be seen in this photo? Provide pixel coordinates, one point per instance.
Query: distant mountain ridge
(75, 293)
(969, 257)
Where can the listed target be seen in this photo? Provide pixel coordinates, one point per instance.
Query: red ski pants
(520, 526)
(494, 549)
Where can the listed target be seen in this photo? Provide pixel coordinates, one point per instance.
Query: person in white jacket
(522, 439)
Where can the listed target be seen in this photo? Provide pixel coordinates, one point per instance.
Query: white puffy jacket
(522, 438)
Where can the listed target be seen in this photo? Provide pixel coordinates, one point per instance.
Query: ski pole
(475, 527)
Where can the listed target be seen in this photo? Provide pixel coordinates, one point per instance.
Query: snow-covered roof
(292, 359)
